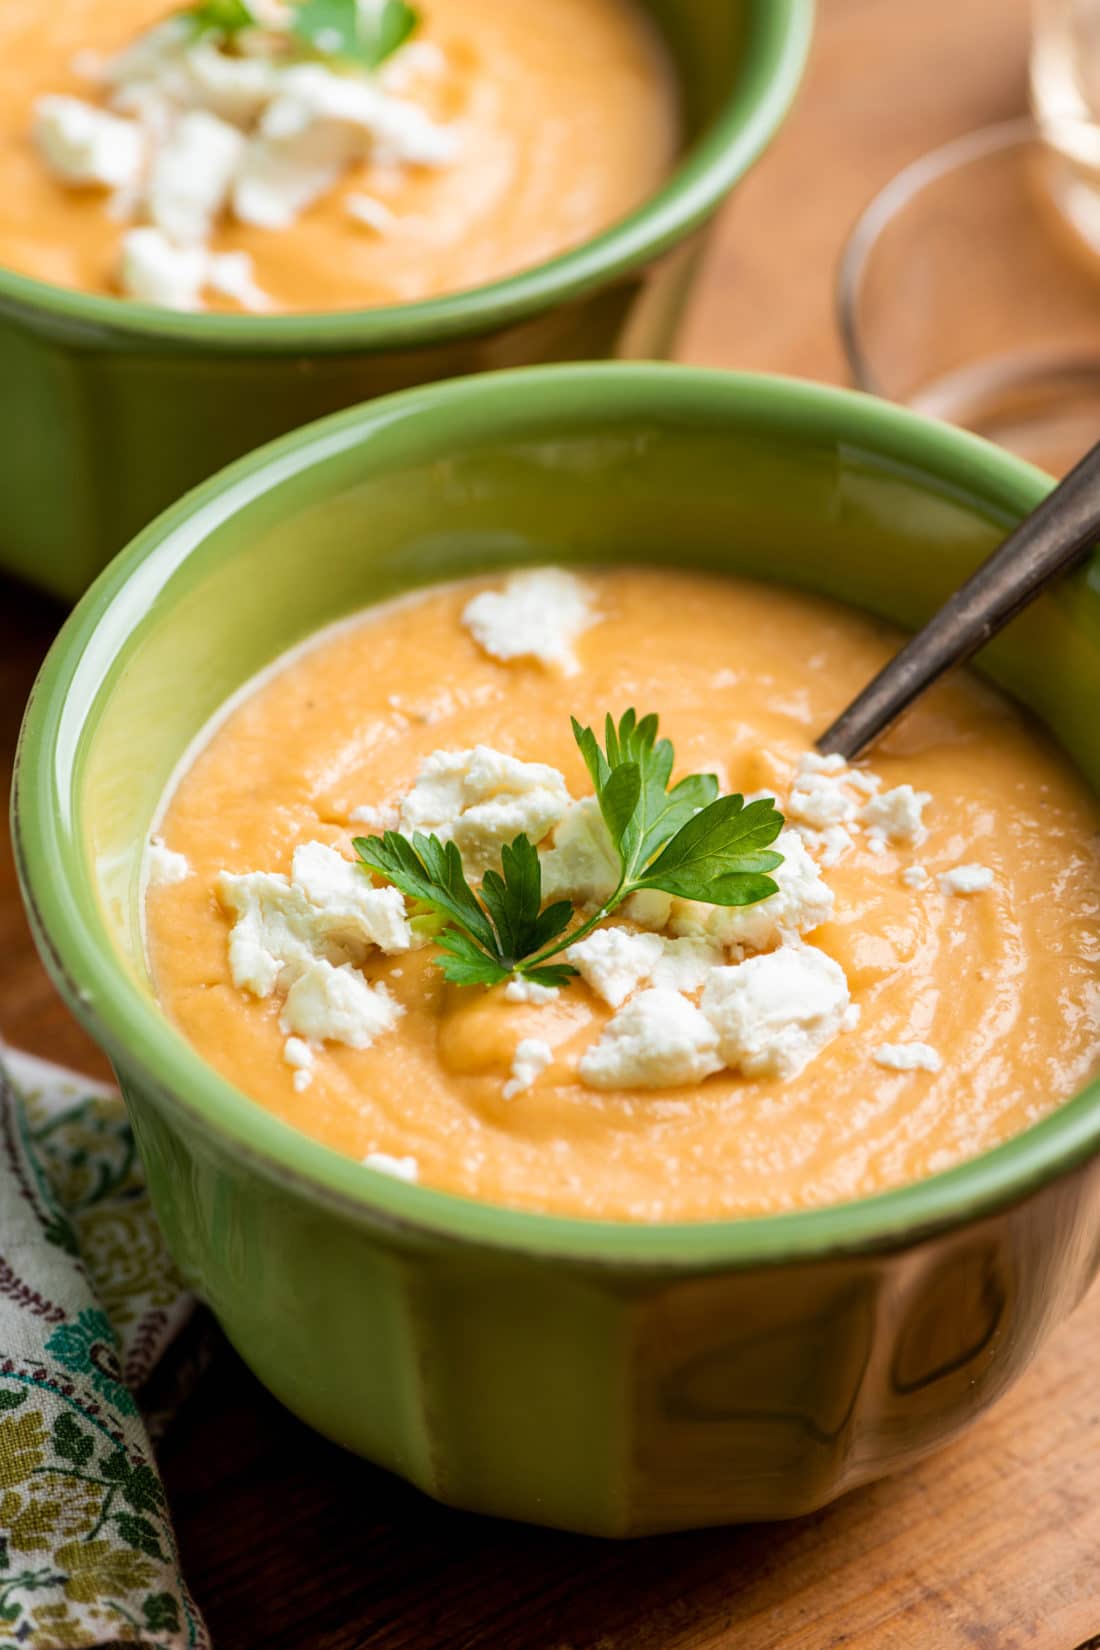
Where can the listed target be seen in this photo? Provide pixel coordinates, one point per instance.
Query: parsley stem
(623, 891)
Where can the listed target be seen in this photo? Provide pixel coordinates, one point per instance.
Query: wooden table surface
(995, 1542)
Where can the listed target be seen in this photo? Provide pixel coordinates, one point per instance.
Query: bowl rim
(777, 46)
(54, 874)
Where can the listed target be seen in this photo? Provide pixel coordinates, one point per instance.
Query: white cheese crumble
(915, 876)
(371, 212)
(532, 1057)
(305, 934)
(966, 879)
(774, 1013)
(907, 1057)
(191, 176)
(537, 615)
(154, 270)
(401, 1168)
(298, 1054)
(581, 865)
(349, 907)
(896, 816)
(482, 799)
(659, 1040)
(615, 961)
(84, 145)
(337, 1005)
(822, 792)
(385, 817)
(191, 132)
(163, 866)
(530, 991)
(803, 901)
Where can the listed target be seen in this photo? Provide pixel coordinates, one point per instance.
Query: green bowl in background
(599, 1376)
(109, 409)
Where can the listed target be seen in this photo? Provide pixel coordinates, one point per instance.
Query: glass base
(1042, 407)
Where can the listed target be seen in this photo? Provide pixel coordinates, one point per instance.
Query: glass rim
(889, 202)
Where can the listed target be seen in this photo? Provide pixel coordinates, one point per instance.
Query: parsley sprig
(364, 35)
(347, 31)
(685, 840)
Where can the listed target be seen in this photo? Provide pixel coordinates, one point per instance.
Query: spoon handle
(1060, 533)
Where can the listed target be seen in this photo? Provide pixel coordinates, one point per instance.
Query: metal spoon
(1054, 538)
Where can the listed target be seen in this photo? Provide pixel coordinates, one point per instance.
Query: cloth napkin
(89, 1305)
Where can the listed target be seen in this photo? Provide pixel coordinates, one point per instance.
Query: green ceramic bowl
(599, 1376)
(110, 410)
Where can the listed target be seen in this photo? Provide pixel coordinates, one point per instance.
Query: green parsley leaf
(224, 17)
(484, 940)
(721, 855)
(355, 32)
(685, 841)
(465, 963)
(658, 812)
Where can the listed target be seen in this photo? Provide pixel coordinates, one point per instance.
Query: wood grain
(993, 1543)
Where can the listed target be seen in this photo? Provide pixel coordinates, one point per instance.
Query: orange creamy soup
(545, 124)
(922, 985)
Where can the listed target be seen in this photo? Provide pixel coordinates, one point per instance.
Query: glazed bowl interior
(822, 489)
(737, 65)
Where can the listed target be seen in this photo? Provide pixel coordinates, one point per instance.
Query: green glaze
(109, 410)
(603, 1377)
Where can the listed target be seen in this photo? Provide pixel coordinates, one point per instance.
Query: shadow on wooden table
(290, 1544)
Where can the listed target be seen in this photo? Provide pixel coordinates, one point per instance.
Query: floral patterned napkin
(89, 1303)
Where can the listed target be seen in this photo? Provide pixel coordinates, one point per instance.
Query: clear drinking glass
(965, 292)
(1065, 95)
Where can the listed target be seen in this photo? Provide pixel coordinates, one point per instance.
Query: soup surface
(565, 118)
(973, 1000)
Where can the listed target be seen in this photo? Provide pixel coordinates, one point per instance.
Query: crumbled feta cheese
(272, 939)
(84, 145)
(774, 1013)
(821, 793)
(896, 816)
(298, 1054)
(327, 909)
(349, 907)
(685, 964)
(482, 799)
(529, 991)
(401, 1168)
(383, 818)
(615, 961)
(232, 86)
(907, 1057)
(277, 180)
(369, 211)
(828, 846)
(154, 271)
(582, 864)
(876, 843)
(802, 903)
(163, 866)
(537, 615)
(336, 1005)
(532, 1056)
(317, 125)
(853, 1014)
(230, 273)
(191, 176)
(649, 908)
(915, 876)
(659, 1040)
(966, 879)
